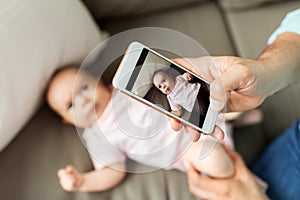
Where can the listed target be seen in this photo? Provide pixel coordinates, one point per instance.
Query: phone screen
(170, 87)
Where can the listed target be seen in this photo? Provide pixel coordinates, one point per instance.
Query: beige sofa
(39, 36)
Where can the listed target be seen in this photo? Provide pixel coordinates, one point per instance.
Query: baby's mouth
(168, 90)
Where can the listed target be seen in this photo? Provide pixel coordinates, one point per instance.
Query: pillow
(144, 82)
(36, 38)
(244, 4)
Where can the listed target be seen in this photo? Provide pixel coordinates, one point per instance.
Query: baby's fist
(70, 179)
(187, 76)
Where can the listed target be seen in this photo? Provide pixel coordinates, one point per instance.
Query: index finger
(199, 183)
(217, 132)
(175, 124)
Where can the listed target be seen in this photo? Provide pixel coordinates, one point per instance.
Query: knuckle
(217, 87)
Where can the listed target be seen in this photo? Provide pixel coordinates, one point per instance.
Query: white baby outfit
(128, 128)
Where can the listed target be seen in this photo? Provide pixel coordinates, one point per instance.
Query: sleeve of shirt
(291, 23)
(173, 105)
(102, 152)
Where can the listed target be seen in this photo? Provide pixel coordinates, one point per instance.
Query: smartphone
(161, 84)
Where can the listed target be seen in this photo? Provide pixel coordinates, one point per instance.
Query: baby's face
(163, 82)
(78, 97)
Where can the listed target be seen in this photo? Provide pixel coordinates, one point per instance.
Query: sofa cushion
(245, 4)
(202, 22)
(37, 37)
(250, 29)
(116, 8)
(29, 164)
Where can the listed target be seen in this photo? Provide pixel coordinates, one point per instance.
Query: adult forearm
(282, 62)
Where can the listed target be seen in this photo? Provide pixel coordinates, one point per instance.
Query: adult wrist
(270, 80)
(282, 62)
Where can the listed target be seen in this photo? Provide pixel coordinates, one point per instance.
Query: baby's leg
(214, 162)
(231, 116)
(246, 118)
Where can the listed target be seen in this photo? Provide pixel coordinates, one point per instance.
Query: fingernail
(220, 136)
(215, 105)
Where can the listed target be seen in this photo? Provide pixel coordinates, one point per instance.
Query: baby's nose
(81, 100)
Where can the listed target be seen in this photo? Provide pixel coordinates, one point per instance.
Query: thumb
(208, 68)
(71, 170)
(175, 124)
(218, 95)
(202, 66)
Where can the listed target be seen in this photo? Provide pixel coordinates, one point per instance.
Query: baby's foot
(249, 118)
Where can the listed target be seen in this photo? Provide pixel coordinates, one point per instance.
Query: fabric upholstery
(119, 8)
(250, 29)
(30, 163)
(245, 4)
(36, 38)
(190, 20)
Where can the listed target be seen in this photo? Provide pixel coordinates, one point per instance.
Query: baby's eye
(84, 87)
(164, 80)
(70, 105)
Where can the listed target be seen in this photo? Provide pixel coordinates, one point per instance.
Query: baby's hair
(55, 74)
(169, 71)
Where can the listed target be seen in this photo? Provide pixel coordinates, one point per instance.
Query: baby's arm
(97, 180)
(217, 163)
(175, 108)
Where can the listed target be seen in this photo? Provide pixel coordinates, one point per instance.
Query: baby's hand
(187, 76)
(70, 179)
(177, 112)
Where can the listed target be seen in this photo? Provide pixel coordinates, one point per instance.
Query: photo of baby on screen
(172, 88)
(181, 94)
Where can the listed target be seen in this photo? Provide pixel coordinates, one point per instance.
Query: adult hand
(242, 185)
(70, 179)
(236, 84)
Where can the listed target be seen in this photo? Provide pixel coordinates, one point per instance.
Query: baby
(180, 92)
(89, 104)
